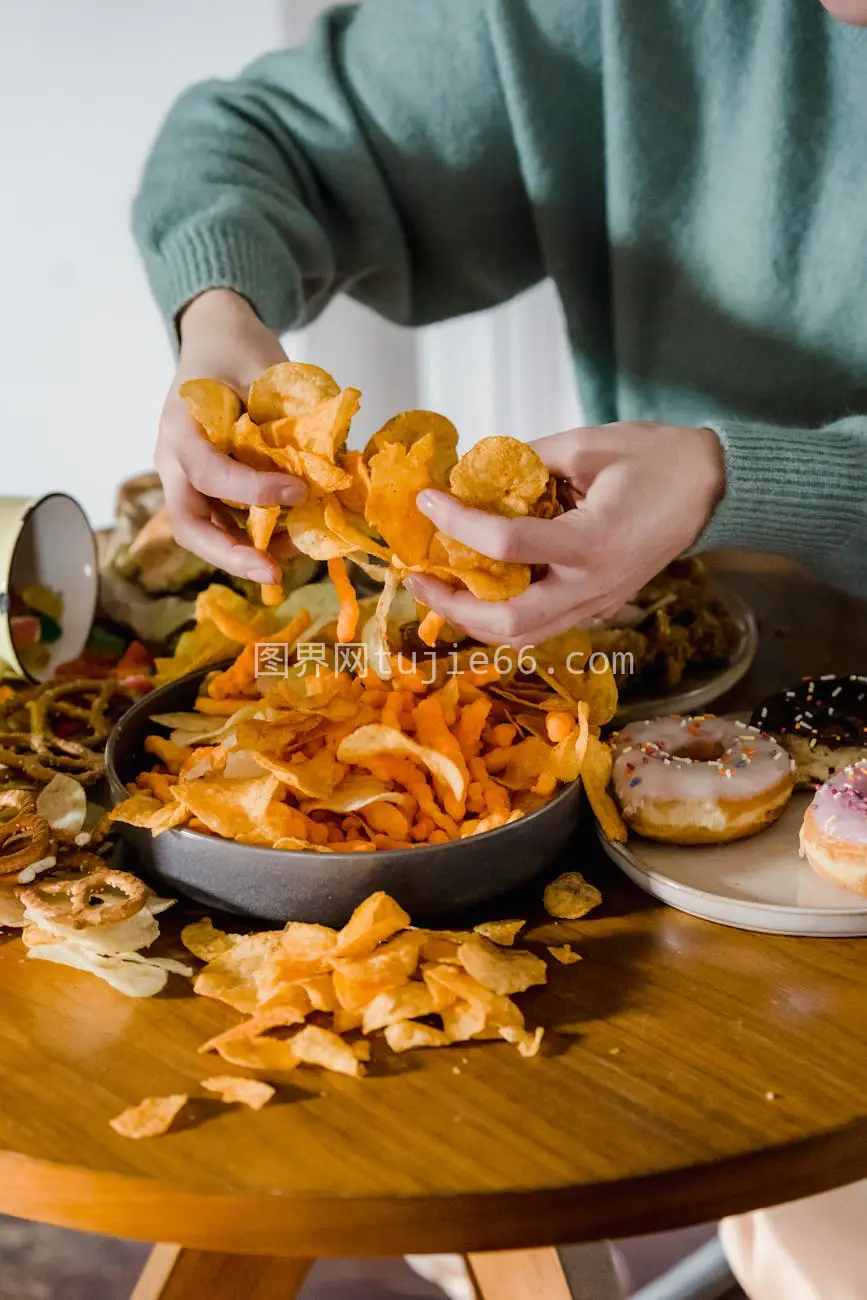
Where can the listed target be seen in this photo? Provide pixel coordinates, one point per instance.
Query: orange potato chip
(320, 991)
(405, 1003)
(595, 775)
(314, 778)
(150, 1118)
(290, 388)
(397, 475)
(323, 431)
(501, 971)
(501, 932)
(282, 1017)
(204, 941)
(259, 1053)
(349, 532)
(374, 920)
(228, 806)
(233, 616)
(322, 474)
(354, 498)
(407, 1035)
(215, 407)
(564, 954)
(408, 427)
(248, 1092)
(528, 1042)
(501, 475)
(314, 1045)
(373, 741)
(306, 526)
(525, 763)
(430, 627)
(570, 896)
(261, 522)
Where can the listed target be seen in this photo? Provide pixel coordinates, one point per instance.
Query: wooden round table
(692, 1072)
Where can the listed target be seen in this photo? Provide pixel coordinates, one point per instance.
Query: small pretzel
(24, 839)
(75, 905)
(40, 758)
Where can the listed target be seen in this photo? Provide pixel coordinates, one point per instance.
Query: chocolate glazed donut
(822, 723)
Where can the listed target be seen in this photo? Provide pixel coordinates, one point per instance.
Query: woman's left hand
(644, 494)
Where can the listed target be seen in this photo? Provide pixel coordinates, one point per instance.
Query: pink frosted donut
(834, 831)
(701, 780)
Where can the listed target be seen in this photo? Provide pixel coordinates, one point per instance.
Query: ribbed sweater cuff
(788, 491)
(194, 259)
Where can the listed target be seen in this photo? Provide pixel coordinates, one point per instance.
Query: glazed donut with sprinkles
(699, 780)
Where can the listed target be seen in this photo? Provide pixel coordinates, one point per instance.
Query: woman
(692, 174)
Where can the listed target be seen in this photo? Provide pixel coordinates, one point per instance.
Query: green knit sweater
(691, 174)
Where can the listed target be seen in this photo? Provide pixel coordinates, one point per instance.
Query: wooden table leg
(174, 1273)
(576, 1273)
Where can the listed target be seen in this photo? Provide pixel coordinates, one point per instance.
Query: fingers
(507, 622)
(215, 475)
(578, 454)
(529, 541)
(194, 528)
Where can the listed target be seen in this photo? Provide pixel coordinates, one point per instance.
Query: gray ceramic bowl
(280, 885)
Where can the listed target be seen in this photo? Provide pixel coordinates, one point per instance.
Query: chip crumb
(151, 1117)
(565, 954)
(456, 1069)
(570, 897)
(614, 1051)
(254, 1093)
(501, 932)
(771, 1096)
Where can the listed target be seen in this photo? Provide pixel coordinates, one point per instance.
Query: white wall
(84, 362)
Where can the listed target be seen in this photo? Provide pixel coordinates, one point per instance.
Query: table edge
(146, 1209)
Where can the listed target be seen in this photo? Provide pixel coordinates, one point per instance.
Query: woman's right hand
(221, 338)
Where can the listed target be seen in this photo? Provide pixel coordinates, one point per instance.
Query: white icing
(649, 769)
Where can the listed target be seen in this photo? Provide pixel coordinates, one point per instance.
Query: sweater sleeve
(793, 491)
(376, 160)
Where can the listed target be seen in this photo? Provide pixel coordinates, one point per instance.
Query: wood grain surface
(691, 1071)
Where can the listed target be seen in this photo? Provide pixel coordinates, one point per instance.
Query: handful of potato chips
(362, 505)
(363, 760)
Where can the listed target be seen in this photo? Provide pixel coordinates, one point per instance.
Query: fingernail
(259, 573)
(427, 501)
(291, 494)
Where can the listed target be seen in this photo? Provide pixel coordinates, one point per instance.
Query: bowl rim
(116, 785)
(31, 505)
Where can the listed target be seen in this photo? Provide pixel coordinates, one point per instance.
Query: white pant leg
(813, 1249)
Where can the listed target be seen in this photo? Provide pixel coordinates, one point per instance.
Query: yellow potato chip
(407, 1035)
(564, 954)
(526, 762)
(370, 742)
(501, 475)
(291, 388)
(319, 989)
(215, 407)
(248, 1092)
(204, 941)
(348, 531)
(231, 976)
(150, 1118)
(501, 932)
(570, 896)
(389, 965)
(322, 474)
(149, 813)
(356, 790)
(314, 1045)
(595, 775)
(501, 971)
(235, 618)
(374, 920)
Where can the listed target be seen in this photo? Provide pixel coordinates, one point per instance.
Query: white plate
(702, 688)
(755, 884)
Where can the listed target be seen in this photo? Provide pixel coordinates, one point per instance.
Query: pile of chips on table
(313, 996)
(362, 505)
(350, 760)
